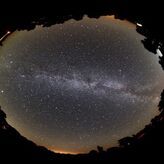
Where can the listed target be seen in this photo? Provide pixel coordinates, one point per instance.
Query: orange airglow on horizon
(63, 152)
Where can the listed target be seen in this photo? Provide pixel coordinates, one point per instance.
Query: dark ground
(147, 145)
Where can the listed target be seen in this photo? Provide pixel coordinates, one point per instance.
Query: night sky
(73, 86)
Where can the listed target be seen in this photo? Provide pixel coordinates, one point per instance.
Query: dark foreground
(147, 146)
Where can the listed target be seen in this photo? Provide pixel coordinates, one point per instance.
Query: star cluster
(73, 86)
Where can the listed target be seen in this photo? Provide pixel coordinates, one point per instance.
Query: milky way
(73, 86)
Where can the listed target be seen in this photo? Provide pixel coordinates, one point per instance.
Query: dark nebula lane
(73, 86)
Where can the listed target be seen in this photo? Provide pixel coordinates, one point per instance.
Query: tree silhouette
(100, 149)
(3, 122)
(161, 103)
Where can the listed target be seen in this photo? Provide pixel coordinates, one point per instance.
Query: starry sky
(73, 86)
